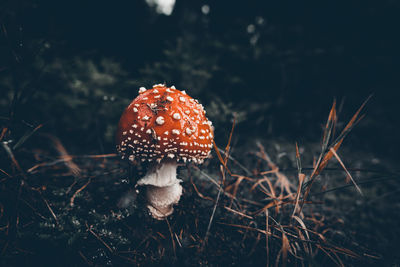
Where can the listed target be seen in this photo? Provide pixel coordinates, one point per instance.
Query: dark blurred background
(69, 68)
(278, 65)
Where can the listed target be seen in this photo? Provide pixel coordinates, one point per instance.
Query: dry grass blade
(75, 170)
(110, 155)
(220, 158)
(227, 149)
(250, 228)
(326, 137)
(354, 120)
(198, 192)
(207, 176)
(5, 173)
(368, 181)
(298, 159)
(240, 165)
(213, 213)
(300, 221)
(329, 255)
(328, 150)
(222, 182)
(3, 133)
(26, 136)
(282, 180)
(301, 177)
(330, 125)
(239, 213)
(285, 248)
(336, 144)
(172, 237)
(235, 188)
(266, 234)
(228, 145)
(347, 172)
(12, 157)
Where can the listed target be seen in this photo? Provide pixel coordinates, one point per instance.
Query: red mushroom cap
(164, 122)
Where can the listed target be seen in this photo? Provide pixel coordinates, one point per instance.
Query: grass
(61, 209)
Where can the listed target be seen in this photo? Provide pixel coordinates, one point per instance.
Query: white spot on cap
(176, 116)
(141, 90)
(170, 98)
(157, 96)
(173, 87)
(170, 155)
(187, 111)
(135, 110)
(188, 131)
(155, 91)
(175, 131)
(166, 133)
(160, 120)
(183, 92)
(158, 85)
(124, 133)
(168, 90)
(146, 118)
(134, 126)
(182, 99)
(148, 131)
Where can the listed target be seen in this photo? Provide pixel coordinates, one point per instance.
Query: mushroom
(165, 127)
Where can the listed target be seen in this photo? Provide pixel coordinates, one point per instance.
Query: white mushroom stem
(163, 189)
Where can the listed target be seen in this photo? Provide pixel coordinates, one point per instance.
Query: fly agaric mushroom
(164, 126)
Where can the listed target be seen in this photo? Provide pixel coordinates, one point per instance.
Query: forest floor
(242, 207)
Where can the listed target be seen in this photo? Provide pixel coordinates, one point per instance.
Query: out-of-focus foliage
(267, 62)
(77, 97)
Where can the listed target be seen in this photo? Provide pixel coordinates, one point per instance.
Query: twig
(50, 209)
(71, 202)
(99, 238)
(84, 258)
